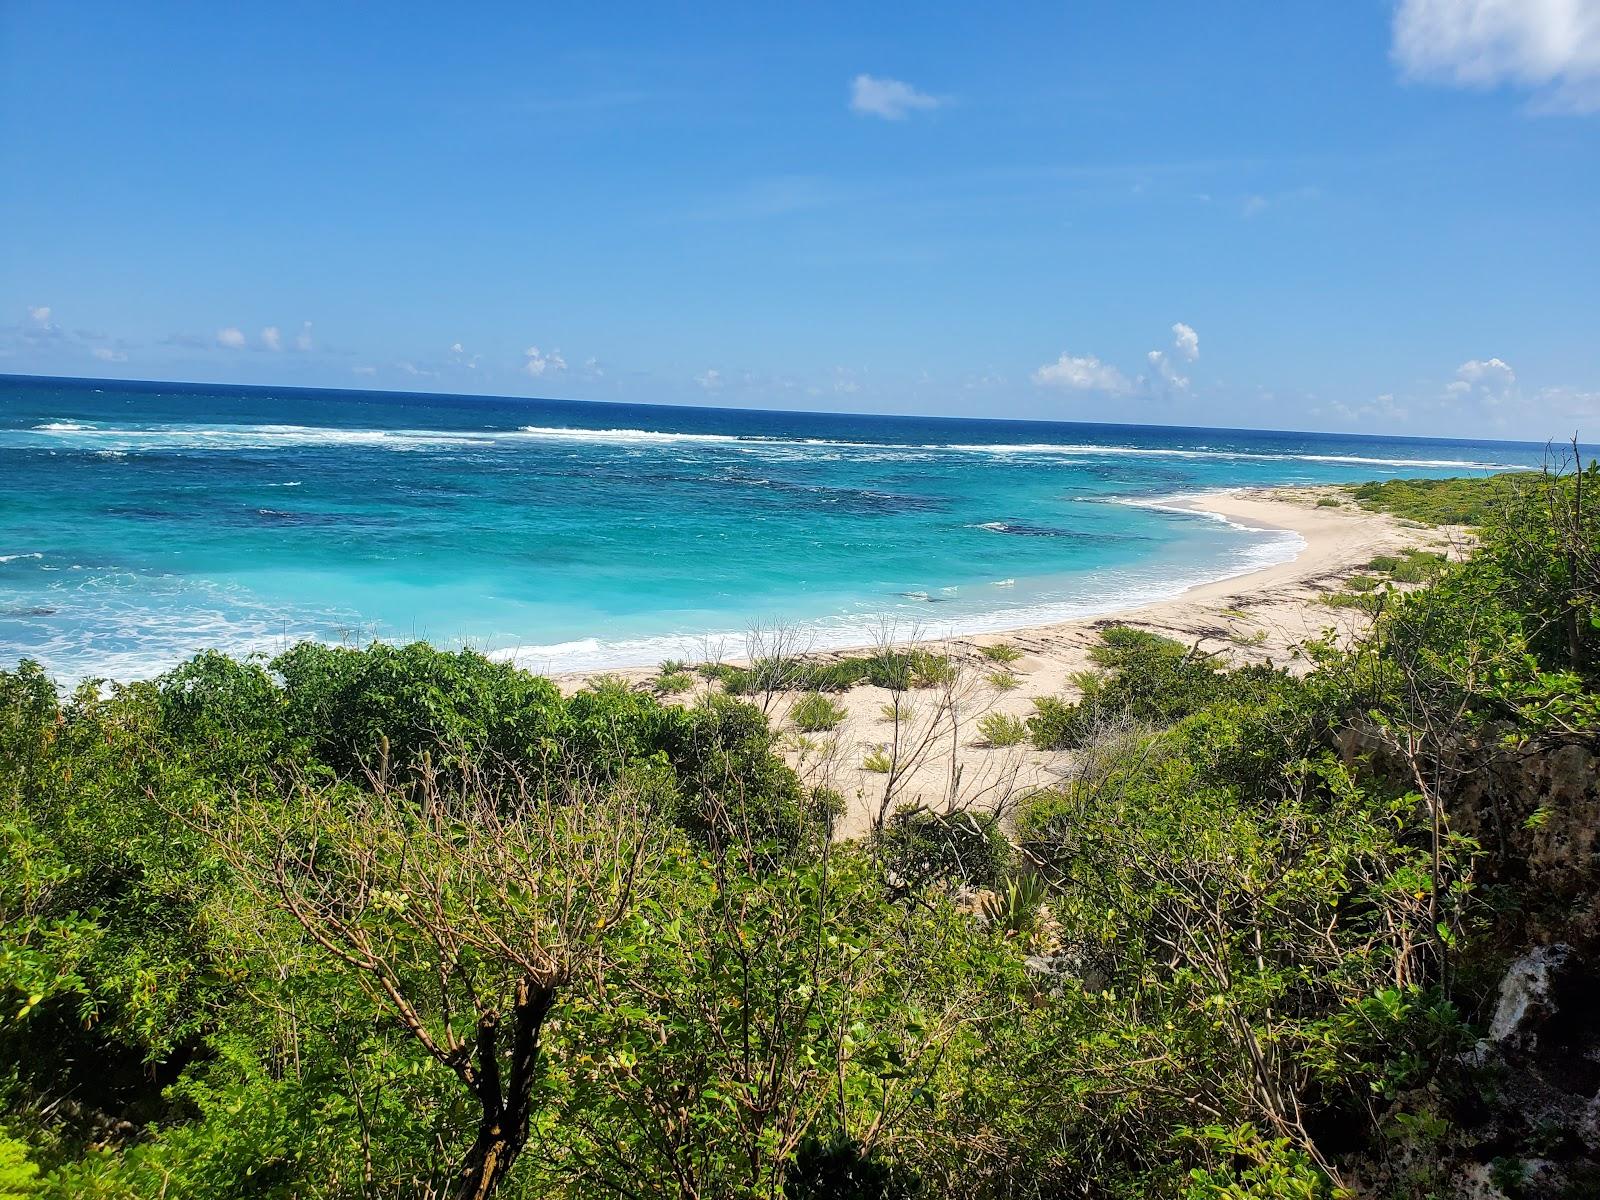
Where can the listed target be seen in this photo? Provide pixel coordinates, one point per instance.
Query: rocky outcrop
(1518, 1116)
(1534, 808)
(1530, 1109)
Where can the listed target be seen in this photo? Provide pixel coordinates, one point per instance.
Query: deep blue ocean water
(141, 522)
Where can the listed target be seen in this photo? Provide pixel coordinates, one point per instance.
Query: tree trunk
(503, 1128)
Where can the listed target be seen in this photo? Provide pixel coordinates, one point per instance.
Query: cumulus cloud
(891, 99)
(1186, 341)
(1551, 47)
(230, 338)
(39, 326)
(455, 348)
(302, 340)
(364, 370)
(1383, 409)
(537, 364)
(1491, 380)
(107, 354)
(1083, 373)
(1185, 346)
(271, 338)
(1166, 372)
(1086, 373)
(711, 380)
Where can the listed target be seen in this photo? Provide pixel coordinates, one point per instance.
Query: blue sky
(1361, 215)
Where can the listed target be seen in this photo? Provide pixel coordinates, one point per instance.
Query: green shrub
(1145, 677)
(1001, 681)
(345, 703)
(671, 683)
(902, 669)
(814, 713)
(1327, 502)
(878, 761)
(918, 845)
(1003, 653)
(1413, 566)
(1366, 601)
(1002, 729)
(1470, 501)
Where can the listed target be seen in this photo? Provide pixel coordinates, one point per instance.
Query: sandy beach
(941, 759)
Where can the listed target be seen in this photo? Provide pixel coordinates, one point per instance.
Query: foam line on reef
(83, 435)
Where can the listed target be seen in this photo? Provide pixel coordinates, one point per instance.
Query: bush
(1001, 681)
(814, 713)
(878, 761)
(1448, 501)
(1003, 653)
(918, 845)
(1412, 566)
(344, 703)
(1002, 729)
(1145, 677)
(671, 683)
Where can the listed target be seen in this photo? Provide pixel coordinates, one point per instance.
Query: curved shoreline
(1332, 543)
(1259, 615)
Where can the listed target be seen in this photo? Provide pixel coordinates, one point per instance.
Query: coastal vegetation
(395, 922)
(1470, 501)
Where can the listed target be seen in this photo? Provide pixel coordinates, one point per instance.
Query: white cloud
(107, 354)
(1168, 373)
(364, 370)
(39, 327)
(1254, 205)
(536, 364)
(230, 339)
(302, 340)
(1383, 409)
(1186, 341)
(711, 380)
(1549, 46)
(455, 348)
(891, 99)
(1491, 379)
(1185, 345)
(1084, 373)
(271, 338)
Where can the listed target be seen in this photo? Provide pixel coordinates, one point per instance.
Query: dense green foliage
(397, 922)
(1469, 501)
(1144, 677)
(898, 669)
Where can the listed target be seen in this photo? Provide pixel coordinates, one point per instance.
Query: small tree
(460, 906)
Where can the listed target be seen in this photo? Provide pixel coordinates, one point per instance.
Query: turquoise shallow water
(141, 522)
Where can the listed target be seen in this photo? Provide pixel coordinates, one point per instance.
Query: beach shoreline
(1333, 543)
(1262, 615)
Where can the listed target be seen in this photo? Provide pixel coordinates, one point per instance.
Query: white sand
(1261, 616)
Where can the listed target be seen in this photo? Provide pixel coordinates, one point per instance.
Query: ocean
(142, 522)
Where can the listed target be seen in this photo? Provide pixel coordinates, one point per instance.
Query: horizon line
(1548, 443)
